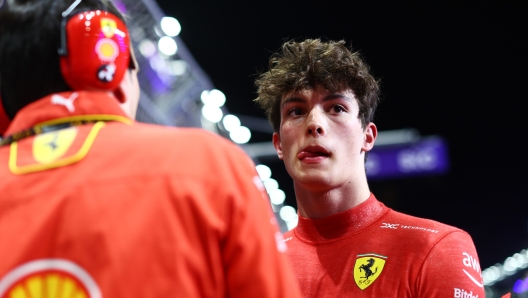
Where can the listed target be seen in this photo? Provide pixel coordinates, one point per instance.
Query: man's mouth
(312, 152)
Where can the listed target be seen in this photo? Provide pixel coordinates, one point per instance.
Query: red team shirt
(124, 209)
(373, 251)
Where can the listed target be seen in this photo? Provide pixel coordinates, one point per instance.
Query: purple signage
(424, 157)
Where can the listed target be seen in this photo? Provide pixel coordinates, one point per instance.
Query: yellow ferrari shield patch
(51, 146)
(367, 269)
(108, 26)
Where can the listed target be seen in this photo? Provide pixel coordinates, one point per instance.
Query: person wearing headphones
(93, 204)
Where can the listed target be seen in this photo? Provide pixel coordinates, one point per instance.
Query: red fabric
(423, 258)
(149, 212)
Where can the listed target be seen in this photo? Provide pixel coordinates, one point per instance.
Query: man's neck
(322, 203)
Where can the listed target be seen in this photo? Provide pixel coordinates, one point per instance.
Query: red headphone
(94, 53)
(94, 50)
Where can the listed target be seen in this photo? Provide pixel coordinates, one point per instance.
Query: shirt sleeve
(451, 269)
(255, 261)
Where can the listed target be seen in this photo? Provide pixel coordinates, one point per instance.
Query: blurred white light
(204, 96)
(277, 196)
(231, 122)
(158, 64)
(287, 213)
(158, 31)
(264, 172)
(178, 67)
(216, 97)
(147, 48)
(292, 223)
(170, 26)
(521, 259)
(240, 135)
(167, 46)
(271, 184)
(212, 113)
(511, 264)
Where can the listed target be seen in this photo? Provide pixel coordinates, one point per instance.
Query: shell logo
(107, 49)
(49, 278)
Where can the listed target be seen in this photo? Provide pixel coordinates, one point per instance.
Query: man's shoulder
(422, 230)
(166, 137)
(156, 131)
(172, 150)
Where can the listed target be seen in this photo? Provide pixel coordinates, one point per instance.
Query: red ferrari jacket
(115, 208)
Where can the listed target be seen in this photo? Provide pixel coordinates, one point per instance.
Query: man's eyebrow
(331, 96)
(336, 96)
(292, 99)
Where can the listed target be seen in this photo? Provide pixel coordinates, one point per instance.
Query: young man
(320, 99)
(93, 204)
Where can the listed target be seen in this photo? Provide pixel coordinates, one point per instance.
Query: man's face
(321, 139)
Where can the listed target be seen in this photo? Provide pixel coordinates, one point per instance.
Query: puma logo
(67, 102)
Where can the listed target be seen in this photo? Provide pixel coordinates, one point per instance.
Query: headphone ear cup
(97, 51)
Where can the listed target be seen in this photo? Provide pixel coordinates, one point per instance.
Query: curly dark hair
(312, 64)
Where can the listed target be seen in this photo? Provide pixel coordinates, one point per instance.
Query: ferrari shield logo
(368, 268)
(108, 26)
(51, 146)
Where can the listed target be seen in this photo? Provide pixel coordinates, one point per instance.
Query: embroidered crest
(367, 269)
(51, 146)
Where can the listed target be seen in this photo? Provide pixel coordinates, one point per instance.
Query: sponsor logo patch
(473, 269)
(461, 293)
(108, 27)
(367, 269)
(56, 99)
(51, 278)
(385, 225)
(49, 147)
(107, 50)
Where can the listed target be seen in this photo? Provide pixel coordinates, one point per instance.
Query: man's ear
(128, 93)
(369, 137)
(277, 144)
(120, 92)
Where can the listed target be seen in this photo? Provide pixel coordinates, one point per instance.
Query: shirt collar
(341, 224)
(66, 105)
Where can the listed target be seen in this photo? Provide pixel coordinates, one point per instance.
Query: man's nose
(315, 125)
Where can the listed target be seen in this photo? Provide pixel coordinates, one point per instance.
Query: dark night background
(455, 70)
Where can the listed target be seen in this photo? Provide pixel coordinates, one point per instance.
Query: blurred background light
(170, 26)
(167, 46)
(178, 67)
(277, 196)
(240, 135)
(271, 184)
(288, 213)
(147, 48)
(264, 172)
(230, 122)
(214, 97)
(212, 113)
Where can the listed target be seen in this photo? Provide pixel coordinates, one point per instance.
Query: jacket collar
(67, 107)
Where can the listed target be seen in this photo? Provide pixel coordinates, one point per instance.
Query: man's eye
(338, 109)
(295, 112)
